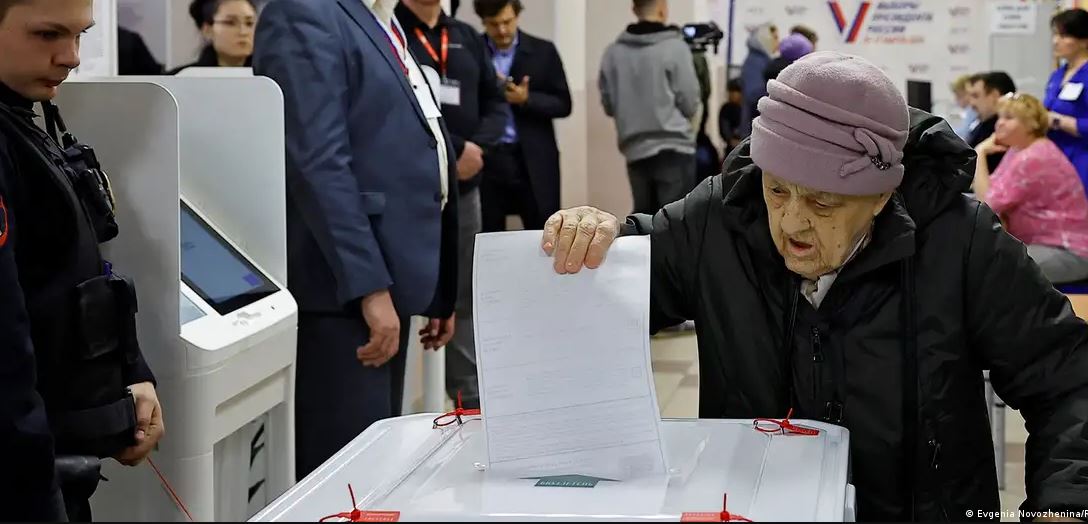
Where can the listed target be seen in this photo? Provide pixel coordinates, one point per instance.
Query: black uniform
(67, 326)
(481, 115)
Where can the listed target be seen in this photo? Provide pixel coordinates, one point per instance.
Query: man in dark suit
(984, 91)
(371, 218)
(521, 175)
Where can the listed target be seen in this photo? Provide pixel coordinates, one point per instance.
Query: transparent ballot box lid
(405, 469)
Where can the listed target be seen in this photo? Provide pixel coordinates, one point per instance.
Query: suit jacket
(363, 190)
(549, 98)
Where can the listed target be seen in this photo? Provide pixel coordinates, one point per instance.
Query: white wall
(925, 40)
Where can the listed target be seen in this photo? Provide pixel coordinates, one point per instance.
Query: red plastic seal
(357, 515)
(714, 516)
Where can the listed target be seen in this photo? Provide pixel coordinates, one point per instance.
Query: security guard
(74, 387)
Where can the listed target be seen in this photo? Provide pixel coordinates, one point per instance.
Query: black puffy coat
(896, 351)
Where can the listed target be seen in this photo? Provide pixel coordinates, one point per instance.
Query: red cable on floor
(169, 488)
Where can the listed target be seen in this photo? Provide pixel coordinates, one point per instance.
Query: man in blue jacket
(371, 217)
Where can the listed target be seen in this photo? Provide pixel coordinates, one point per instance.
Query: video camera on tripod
(701, 36)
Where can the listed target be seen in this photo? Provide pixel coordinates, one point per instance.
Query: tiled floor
(676, 373)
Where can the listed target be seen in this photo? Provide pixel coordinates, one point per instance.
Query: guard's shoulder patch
(3, 222)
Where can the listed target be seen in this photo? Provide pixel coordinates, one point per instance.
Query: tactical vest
(82, 314)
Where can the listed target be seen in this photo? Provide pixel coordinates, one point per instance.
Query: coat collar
(11, 98)
(366, 20)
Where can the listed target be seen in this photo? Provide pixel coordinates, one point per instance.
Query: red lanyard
(440, 60)
(396, 52)
(393, 47)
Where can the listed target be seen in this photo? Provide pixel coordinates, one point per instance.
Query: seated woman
(846, 277)
(228, 27)
(1036, 190)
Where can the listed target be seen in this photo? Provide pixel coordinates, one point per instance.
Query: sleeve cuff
(1082, 127)
(640, 224)
(139, 372)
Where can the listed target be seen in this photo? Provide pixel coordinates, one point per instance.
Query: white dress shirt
(383, 12)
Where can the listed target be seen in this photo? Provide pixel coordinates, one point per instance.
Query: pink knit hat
(832, 122)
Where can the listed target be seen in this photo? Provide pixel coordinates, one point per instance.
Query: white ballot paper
(566, 386)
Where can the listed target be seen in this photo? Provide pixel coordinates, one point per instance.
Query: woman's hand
(989, 147)
(579, 237)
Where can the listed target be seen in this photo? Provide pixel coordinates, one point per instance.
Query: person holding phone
(1065, 98)
(1035, 190)
(523, 170)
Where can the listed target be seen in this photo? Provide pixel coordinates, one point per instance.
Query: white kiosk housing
(197, 167)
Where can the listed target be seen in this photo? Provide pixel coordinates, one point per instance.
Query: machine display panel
(215, 270)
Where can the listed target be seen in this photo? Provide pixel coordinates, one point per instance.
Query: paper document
(566, 385)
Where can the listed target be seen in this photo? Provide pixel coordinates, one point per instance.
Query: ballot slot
(710, 461)
(188, 309)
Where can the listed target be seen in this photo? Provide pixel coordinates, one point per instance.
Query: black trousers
(336, 397)
(661, 179)
(505, 189)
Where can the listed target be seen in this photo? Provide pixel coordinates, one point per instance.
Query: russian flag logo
(850, 32)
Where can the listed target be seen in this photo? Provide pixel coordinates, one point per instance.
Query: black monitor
(920, 95)
(215, 270)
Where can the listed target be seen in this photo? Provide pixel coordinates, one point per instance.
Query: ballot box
(405, 469)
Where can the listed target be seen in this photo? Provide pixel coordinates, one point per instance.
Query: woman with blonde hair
(1036, 190)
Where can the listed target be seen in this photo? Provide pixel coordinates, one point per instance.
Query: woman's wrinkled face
(815, 232)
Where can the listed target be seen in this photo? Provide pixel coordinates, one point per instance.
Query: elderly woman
(1036, 190)
(845, 276)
